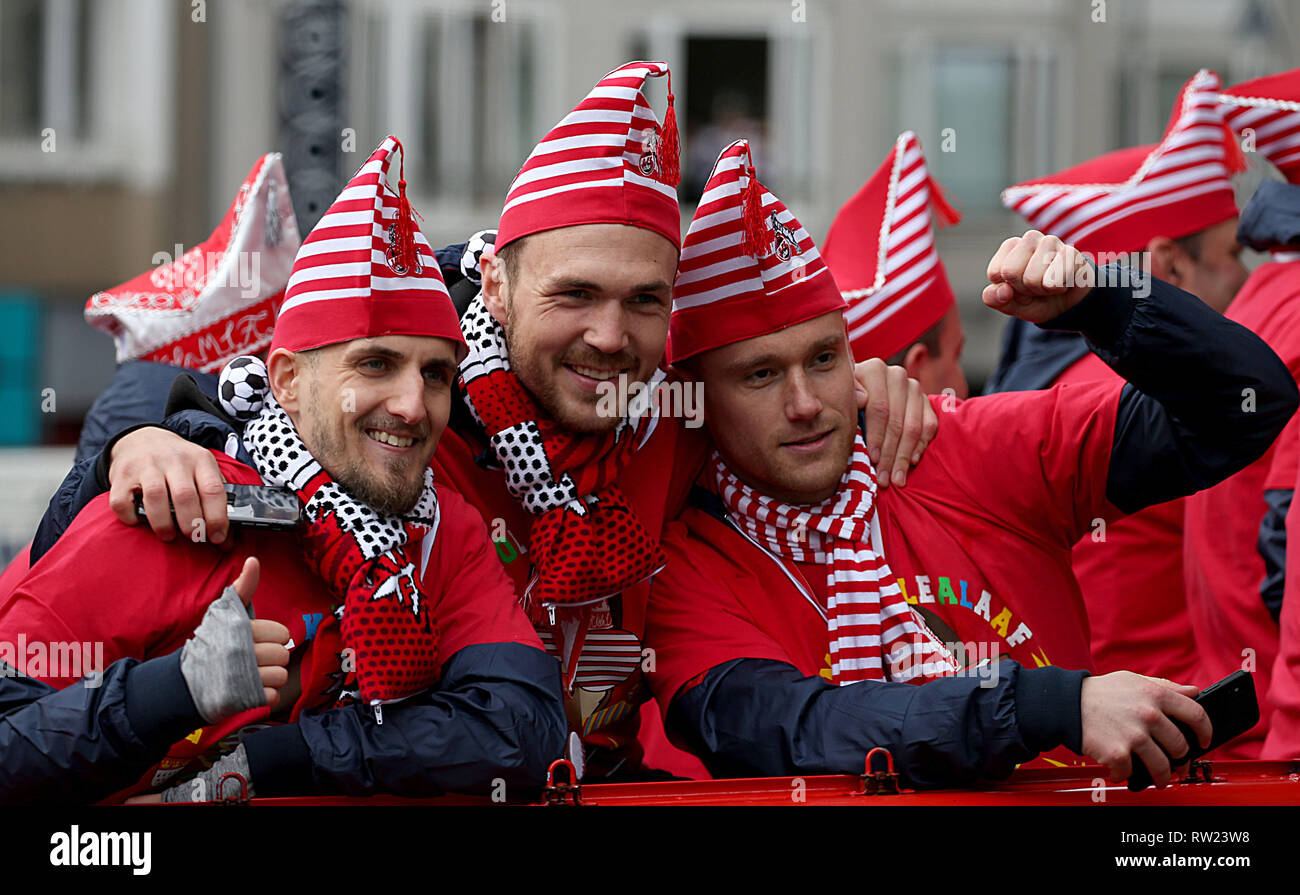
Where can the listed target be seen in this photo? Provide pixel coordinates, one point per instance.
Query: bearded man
(576, 293)
(399, 620)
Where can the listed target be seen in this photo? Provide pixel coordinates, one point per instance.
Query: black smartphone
(1233, 710)
(256, 506)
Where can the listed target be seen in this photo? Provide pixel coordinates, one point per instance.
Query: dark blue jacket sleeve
(89, 479)
(758, 717)
(79, 487)
(1271, 219)
(1272, 549)
(87, 741)
(137, 393)
(497, 713)
(192, 415)
(449, 262)
(1206, 396)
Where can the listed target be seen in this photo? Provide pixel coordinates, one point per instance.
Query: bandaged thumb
(219, 664)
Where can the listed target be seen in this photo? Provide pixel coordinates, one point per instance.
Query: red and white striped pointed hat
(1119, 201)
(219, 299)
(881, 250)
(607, 162)
(366, 270)
(1270, 108)
(748, 267)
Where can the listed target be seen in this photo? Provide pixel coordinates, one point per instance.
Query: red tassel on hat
(754, 240)
(670, 168)
(405, 250)
(1236, 159)
(939, 202)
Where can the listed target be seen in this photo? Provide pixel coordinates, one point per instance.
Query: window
(973, 101)
(728, 100)
(43, 67)
(986, 115)
(463, 91)
(736, 78)
(87, 90)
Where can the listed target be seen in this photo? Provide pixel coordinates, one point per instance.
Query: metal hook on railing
(240, 799)
(879, 782)
(557, 793)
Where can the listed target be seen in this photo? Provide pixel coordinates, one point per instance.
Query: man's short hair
(508, 255)
(929, 338)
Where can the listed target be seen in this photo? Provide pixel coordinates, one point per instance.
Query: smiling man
(379, 456)
(400, 622)
(788, 618)
(576, 293)
(581, 307)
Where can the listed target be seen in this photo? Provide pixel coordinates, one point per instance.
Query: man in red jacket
(1235, 556)
(1173, 203)
(791, 575)
(387, 587)
(574, 306)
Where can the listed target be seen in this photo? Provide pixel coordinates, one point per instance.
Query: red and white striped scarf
(874, 634)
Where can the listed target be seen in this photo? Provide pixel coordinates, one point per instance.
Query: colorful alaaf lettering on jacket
(945, 590)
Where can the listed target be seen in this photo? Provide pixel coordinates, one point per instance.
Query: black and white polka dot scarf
(361, 554)
(586, 543)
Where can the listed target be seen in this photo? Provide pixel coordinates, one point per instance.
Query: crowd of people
(492, 570)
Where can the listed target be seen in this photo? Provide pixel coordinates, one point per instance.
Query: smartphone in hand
(1233, 710)
(256, 506)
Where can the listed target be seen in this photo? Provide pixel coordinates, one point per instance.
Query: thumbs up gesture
(232, 664)
(1037, 278)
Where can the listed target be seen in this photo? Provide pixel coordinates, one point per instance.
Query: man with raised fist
(1170, 210)
(799, 602)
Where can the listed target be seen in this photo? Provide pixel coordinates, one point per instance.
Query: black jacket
(496, 714)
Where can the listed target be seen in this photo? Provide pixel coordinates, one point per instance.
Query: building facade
(125, 125)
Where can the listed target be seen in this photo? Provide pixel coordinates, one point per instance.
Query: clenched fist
(1036, 277)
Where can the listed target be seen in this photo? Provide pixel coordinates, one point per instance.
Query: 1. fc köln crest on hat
(784, 243)
(391, 254)
(748, 267)
(649, 163)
